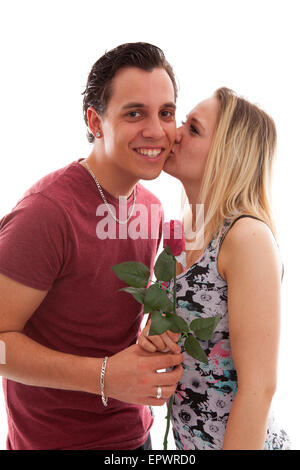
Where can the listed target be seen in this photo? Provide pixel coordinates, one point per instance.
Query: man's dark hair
(98, 89)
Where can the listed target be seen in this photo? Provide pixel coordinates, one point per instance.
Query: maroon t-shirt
(59, 238)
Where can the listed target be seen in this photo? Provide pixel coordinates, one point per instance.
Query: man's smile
(152, 153)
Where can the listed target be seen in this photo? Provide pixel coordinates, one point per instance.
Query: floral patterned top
(205, 394)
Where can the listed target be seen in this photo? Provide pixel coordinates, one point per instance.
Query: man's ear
(94, 121)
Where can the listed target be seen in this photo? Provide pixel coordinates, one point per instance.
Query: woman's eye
(191, 128)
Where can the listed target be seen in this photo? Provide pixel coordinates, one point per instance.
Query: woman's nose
(178, 135)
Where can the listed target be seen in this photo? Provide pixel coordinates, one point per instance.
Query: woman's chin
(170, 168)
(172, 172)
(169, 172)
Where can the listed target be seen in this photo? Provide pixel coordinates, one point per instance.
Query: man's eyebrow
(142, 105)
(169, 105)
(133, 105)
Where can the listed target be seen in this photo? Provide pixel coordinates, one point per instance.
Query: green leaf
(194, 349)
(164, 267)
(156, 299)
(159, 324)
(204, 327)
(178, 324)
(168, 250)
(137, 292)
(134, 273)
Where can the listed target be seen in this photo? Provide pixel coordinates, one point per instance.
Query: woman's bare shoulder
(248, 239)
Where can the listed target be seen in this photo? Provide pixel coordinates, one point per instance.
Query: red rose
(174, 236)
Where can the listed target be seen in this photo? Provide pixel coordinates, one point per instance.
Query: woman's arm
(252, 267)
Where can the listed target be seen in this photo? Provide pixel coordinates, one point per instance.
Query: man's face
(139, 126)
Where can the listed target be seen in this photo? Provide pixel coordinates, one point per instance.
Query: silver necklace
(105, 201)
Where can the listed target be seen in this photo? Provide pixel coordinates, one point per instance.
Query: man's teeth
(149, 153)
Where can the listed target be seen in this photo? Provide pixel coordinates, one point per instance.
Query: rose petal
(174, 236)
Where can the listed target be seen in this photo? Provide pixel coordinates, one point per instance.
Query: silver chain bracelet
(104, 399)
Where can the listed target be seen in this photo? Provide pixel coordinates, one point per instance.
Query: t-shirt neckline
(109, 197)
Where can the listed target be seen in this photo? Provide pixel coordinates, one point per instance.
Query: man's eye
(167, 114)
(134, 114)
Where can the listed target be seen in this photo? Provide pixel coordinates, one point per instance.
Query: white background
(47, 50)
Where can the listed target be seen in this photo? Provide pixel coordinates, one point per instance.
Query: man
(61, 312)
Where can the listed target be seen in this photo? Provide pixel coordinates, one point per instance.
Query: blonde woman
(223, 156)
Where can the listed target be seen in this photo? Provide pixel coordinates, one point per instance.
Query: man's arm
(130, 375)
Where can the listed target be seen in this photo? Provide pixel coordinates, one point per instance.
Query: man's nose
(154, 129)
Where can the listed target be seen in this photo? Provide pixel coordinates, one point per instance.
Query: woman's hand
(167, 342)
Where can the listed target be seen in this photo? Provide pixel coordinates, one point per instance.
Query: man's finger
(163, 361)
(174, 336)
(146, 344)
(171, 344)
(170, 378)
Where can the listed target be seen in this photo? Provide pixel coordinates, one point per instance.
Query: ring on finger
(159, 393)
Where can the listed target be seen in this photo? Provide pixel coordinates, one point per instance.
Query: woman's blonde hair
(238, 172)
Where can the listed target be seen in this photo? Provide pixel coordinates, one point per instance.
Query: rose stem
(172, 396)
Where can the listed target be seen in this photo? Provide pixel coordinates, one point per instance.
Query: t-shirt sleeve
(32, 242)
